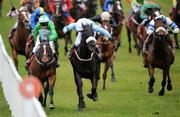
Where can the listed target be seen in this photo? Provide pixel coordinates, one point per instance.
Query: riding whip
(11, 3)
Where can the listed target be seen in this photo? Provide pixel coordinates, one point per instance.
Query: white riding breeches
(78, 39)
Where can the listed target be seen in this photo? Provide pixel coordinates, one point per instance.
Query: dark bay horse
(107, 48)
(132, 24)
(175, 16)
(43, 66)
(19, 38)
(86, 64)
(160, 55)
(59, 22)
(1, 2)
(118, 15)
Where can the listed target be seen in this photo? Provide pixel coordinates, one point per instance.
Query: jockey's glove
(65, 29)
(176, 30)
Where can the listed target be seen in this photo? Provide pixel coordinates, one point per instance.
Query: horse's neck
(83, 52)
(160, 48)
(21, 30)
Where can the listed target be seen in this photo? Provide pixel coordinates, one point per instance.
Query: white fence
(19, 106)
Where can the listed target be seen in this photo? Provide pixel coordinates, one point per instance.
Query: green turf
(128, 97)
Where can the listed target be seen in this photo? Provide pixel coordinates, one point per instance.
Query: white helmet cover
(44, 19)
(105, 16)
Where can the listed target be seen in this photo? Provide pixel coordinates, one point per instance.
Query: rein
(84, 59)
(43, 63)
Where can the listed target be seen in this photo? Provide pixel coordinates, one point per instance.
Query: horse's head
(88, 41)
(23, 17)
(160, 31)
(44, 53)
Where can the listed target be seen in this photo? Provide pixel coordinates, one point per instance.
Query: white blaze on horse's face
(161, 29)
(118, 6)
(44, 47)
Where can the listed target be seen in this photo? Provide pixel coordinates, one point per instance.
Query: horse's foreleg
(51, 81)
(111, 65)
(93, 95)
(79, 85)
(46, 89)
(129, 38)
(169, 85)
(15, 58)
(163, 83)
(106, 67)
(152, 79)
(176, 40)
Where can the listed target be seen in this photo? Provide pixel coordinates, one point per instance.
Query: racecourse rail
(10, 78)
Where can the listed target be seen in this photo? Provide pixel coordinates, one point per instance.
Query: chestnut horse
(43, 66)
(175, 16)
(1, 2)
(118, 16)
(159, 55)
(107, 48)
(19, 38)
(86, 64)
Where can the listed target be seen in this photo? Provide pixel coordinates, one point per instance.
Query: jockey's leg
(68, 18)
(54, 53)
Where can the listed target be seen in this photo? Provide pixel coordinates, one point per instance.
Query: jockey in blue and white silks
(108, 6)
(86, 22)
(35, 17)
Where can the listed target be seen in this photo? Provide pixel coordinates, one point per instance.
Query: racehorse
(86, 64)
(175, 16)
(118, 15)
(60, 22)
(1, 2)
(159, 55)
(43, 66)
(107, 48)
(132, 24)
(19, 38)
(91, 8)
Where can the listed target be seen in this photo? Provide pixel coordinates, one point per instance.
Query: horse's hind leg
(163, 83)
(79, 85)
(111, 65)
(152, 79)
(106, 67)
(51, 81)
(169, 85)
(15, 58)
(46, 89)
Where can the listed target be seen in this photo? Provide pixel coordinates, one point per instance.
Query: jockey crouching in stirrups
(44, 23)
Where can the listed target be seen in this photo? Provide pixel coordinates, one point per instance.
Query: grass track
(128, 97)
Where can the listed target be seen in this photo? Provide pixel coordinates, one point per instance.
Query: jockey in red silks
(65, 6)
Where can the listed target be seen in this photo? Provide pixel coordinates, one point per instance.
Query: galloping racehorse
(160, 55)
(60, 22)
(43, 66)
(86, 64)
(118, 15)
(131, 26)
(107, 48)
(19, 38)
(175, 16)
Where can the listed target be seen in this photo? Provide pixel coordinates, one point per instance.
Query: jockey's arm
(170, 23)
(101, 30)
(36, 32)
(150, 28)
(32, 21)
(69, 27)
(53, 35)
(96, 18)
(113, 23)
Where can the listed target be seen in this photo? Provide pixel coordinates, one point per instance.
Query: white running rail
(10, 78)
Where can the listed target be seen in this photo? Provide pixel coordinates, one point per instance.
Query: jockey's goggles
(44, 24)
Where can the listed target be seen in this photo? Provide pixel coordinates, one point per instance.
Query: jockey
(136, 5)
(151, 27)
(105, 16)
(65, 6)
(108, 6)
(78, 27)
(44, 23)
(81, 4)
(35, 17)
(14, 13)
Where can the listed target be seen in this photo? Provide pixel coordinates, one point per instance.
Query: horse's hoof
(161, 93)
(95, 98)
(81, 106)
(169, 87)
(150, 90)
(51, 106)
(104, 88)
(113, 79)
(89, 95)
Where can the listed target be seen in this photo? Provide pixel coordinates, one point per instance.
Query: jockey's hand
(176, 30)
(111, 38)
(13, 8)
(65, 29)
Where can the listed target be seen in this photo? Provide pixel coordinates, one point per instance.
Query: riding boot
(57, 59)
(11, 33)
(29, 60)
